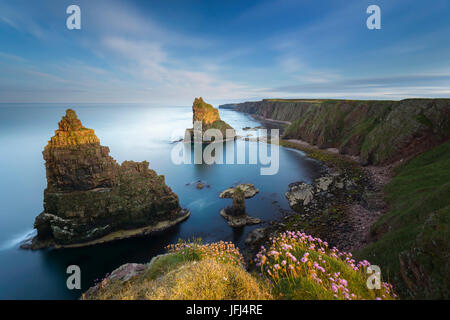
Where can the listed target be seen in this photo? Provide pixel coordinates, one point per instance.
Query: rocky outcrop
(236, 215)
(249, 191)
(378, 132)
(121, 275)
(304, 197)
(90, 197)
(239, 220)
(209, 118)
(322, 208)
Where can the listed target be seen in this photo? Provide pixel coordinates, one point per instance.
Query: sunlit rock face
(75, 160)
(204, 112)
(89, 195)
(209, 118)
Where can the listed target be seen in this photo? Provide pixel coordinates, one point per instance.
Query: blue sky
(168, 52)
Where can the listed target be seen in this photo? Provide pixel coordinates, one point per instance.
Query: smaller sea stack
(236, 215)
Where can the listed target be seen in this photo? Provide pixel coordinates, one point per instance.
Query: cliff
(209, 117)
(410, 237)
(412, 240)
(378, 132)
(90, 198)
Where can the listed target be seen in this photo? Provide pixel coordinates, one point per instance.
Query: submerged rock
(90, 198)
(255, 236)
(240, 220)
(209, 118)
(249, 191)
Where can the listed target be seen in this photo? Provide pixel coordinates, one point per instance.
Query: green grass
(317, 272)
(305, 288)
(421, 118)
(165, 264)
(190, 271)
(420, 191)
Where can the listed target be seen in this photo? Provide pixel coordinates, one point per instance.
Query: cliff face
(75, 160)
(204, 112)
(377, 131)
(90, 195)
(210, 119)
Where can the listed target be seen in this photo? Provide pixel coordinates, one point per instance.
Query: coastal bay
(135, 132)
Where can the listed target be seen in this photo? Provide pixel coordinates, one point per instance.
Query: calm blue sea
(133, 132)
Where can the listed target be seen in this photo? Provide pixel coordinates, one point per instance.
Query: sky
(168, 52)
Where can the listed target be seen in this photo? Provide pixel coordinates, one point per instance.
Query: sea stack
(91, 199)
(236, 215)
(209, 118)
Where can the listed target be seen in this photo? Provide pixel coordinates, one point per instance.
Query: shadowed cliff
(378, 132)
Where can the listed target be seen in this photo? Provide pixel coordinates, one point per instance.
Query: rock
(339, 185)
(240, 220)
(122, 274)
(210, 119)
(304, 197)
(238, 202)
(235, 215)
(350, 184)
(249, 191)
(89, 195)
(300, 192)
(200, 185)
(373, 200)
(255, 236)
(323, 183)
(127, 271)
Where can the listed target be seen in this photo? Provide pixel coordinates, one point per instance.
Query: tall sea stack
(90, 198)
(209, 118)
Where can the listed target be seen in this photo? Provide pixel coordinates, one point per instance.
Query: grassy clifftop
(293, 266)
(377, 131)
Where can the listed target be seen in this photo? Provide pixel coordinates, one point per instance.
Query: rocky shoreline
(339, 206)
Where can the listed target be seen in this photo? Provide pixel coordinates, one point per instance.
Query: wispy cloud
(137, 51)
(415, 85)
